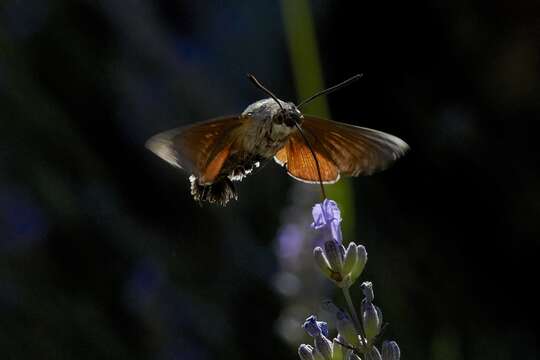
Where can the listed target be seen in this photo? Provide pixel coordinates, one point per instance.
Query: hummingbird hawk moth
(221, 151)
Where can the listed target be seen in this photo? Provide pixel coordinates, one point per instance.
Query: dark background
(103, 253)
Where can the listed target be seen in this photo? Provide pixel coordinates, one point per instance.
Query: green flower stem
(357, 323)
(299, 27)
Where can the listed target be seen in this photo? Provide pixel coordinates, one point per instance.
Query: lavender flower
(346, 329)
(327, 216)
(343, 266)
(315, 328)
(319, 331)
(323, 348)
(296, 282)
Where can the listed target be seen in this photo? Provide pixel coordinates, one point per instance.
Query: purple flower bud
(390, 350)
(351, 257)
(326, 215)
(305, 352)
(322, 262)
(372, 319)
(324, 327)
(367, 289)
(346, 329)
(373, 354)
(379, 314)
(360, 263)
(315, 328)
(334, 256)
(317, 355)
(324, 346)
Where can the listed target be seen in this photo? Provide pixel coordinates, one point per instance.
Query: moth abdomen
(220, 192)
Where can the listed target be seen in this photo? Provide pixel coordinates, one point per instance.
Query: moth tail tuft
(219, 192)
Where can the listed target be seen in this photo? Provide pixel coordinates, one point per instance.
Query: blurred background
(104, 254)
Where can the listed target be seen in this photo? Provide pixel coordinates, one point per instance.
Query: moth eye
(278, 119)
(291, 120)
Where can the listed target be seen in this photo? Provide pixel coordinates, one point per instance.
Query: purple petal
(315, 328)
(327, 215)
(319, 220)
(324, 327)
(331, 210)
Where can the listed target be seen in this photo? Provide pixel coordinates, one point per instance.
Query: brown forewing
(201, 148)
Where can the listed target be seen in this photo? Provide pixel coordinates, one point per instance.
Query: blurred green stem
(304, 55)
(357, 323)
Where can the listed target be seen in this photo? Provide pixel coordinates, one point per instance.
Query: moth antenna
(261, 86)
(331, 89)
(312, 97)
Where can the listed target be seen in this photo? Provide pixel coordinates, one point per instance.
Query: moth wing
(354, 150)
(202, 148)
(300, 163)
(281, 156)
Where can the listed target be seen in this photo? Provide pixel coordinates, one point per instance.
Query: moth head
(288, 115)
(281, 112)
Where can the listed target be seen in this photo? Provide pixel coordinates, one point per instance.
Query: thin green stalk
(308, 76)
(357, 323)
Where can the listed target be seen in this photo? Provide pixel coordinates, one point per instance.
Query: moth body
(269, 126)
(266, 129)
